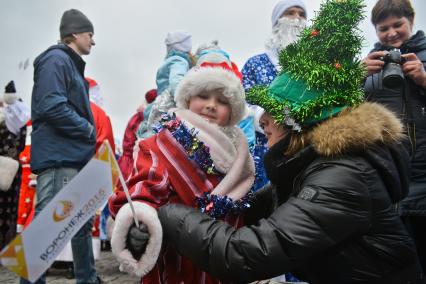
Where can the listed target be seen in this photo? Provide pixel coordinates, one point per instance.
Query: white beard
(285, 32)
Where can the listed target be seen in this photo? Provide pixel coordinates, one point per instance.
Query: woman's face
(394, 31)
(274, 132)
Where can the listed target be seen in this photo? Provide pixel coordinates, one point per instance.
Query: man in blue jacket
(64, 136)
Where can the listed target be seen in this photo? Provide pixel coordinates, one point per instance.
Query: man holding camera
(397, 78)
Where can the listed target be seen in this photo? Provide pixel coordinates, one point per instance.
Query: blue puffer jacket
(63, 132)
(171, 72)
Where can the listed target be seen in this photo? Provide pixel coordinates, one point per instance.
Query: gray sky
(129, 37)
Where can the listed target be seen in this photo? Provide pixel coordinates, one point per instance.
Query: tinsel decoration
(326, 59)
(218, 206)
(214, 205)
(195, 149)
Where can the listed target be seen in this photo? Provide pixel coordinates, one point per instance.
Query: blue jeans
(49, 183)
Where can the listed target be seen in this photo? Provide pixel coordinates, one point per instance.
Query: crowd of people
(305, 165)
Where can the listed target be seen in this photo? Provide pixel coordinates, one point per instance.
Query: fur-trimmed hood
(370, 131)
(356, 129)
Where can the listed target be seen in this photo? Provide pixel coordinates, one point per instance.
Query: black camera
(392, 75)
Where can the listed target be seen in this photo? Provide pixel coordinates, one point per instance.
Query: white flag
(32, 252)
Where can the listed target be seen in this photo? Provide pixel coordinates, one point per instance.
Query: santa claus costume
(189, 161)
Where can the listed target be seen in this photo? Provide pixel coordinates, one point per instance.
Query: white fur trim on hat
(283, 5)
(200, 79)
(257, 114)
(10, 98)
(17, 115)
(123, 221)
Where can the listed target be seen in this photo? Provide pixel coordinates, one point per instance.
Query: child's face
(212, 106)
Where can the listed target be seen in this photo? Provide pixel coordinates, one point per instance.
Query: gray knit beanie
(73, 22)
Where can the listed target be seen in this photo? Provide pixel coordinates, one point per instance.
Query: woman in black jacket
(393, 20)
(338, 168)
(336, 221)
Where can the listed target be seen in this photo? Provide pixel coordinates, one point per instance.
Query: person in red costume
(102, 120)
(198, 157)
(130, 134)
(27, 191)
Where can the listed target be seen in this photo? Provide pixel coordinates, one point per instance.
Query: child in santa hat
(198, 157)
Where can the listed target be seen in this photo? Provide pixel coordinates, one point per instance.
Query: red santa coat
(163, 174)
(27, 192)
(126, 160)
(103, 126)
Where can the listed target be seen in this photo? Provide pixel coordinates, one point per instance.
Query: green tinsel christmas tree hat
(320, 74)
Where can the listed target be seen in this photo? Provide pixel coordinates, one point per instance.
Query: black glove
(137, 239)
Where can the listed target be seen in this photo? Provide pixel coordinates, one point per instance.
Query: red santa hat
(211, 76)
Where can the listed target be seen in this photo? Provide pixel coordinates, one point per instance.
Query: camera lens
(392, 76)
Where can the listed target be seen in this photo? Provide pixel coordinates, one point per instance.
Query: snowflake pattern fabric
(258, 70)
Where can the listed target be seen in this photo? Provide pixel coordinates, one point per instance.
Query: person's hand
(414, 69)
(137, 239)
(373, 62)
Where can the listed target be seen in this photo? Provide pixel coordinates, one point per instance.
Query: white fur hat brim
(10, 98)
(123, 221)
(200, 79)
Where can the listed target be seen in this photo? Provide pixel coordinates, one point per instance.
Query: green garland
(325, 59)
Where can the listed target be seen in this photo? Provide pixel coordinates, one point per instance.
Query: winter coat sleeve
(149, 188)
(125, 162)
(297, 231)
(52, 103)
(264, 205)
(149, 182)
(178, 68)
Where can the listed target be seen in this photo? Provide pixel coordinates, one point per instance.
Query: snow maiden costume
(262, 69)
(189, 161)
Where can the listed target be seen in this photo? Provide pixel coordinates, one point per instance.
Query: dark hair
(386, 8)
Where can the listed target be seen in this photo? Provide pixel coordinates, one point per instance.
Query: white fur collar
(237, 163)
(222, 149)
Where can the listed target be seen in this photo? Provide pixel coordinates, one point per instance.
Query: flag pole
(123, 183)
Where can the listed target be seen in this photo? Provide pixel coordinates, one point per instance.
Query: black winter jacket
(336, 222)
(409, 103)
